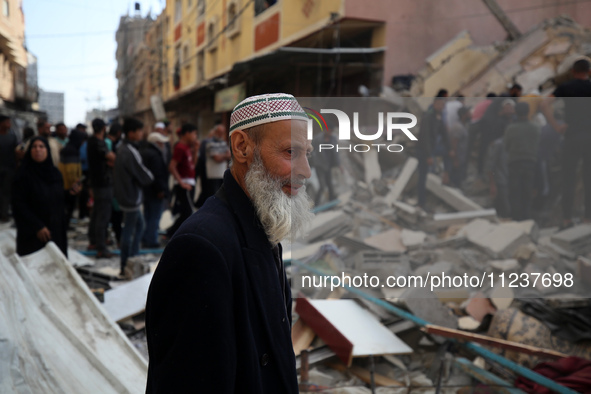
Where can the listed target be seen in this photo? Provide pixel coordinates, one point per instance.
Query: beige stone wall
(12, 31)
(417, 28)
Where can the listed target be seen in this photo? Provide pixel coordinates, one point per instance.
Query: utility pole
(503, 19)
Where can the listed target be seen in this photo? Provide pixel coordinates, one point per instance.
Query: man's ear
(241, 146)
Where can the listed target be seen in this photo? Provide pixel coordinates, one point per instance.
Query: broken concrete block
(423, 303)
(441, 220)
(545, 244)
(407, 212)
(327, 225)
(575, 239)
(451, 196)
(505, 265)
(479, 306)
(372, 166)
(388, 241)
(413, 239)
(127, 300)
(438, 58)
(529, 227)
(557, 48)
(495, 240)
(409, 168)
(468, 323)
(525, 252)
(501, 297)
(532, 79)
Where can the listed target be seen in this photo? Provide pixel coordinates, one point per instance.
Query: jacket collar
(244, 210)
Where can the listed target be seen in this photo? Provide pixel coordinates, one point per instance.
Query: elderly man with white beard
(218, 314)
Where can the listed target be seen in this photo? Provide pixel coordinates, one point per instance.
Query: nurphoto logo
(390, 119)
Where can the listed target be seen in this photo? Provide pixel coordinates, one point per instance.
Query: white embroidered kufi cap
(266, 108)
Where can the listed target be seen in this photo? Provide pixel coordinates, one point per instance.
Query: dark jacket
(37, 202)
(433, 134)
(521, 141)
(98, 171)
(154, 161)
(216, 318)
(130, 176)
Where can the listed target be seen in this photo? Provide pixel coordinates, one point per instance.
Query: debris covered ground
(398, 339)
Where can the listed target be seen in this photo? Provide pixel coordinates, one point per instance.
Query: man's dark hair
(41, 123)
(115, 129)
(187, 128)
(491, 94)
(516, 86)
(442, 93)
(131, 124)
(3, 118)
(60, 124)
(581, 66)
(522, 110)
(98, 125)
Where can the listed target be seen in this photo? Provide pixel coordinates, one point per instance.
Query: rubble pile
(541, 57)
(377, 230)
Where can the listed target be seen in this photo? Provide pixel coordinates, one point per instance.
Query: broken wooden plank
(451, 196)
(409, 168)
(301, 336)
(492, 342)
(365, 375)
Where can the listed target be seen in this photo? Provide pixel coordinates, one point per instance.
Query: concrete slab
(409, 168)
(128, 300)
(576, 239)
(388, 241)
(451, 196)
(441, 220)
(49, 317)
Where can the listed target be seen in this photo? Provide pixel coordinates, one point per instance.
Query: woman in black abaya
(38, 201)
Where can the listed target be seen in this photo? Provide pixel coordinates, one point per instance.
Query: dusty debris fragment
(441, 220)
(576, 239)
(525, 252)
(409, 168)
(413, 239)
(388, 241)
(451, 196)
(479, 306)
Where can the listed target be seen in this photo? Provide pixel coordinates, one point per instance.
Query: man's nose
(301, 167)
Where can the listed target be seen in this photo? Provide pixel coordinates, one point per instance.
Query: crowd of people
(515, 139)
(116, 178)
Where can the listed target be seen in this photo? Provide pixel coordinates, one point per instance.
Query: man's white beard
(281, 215)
